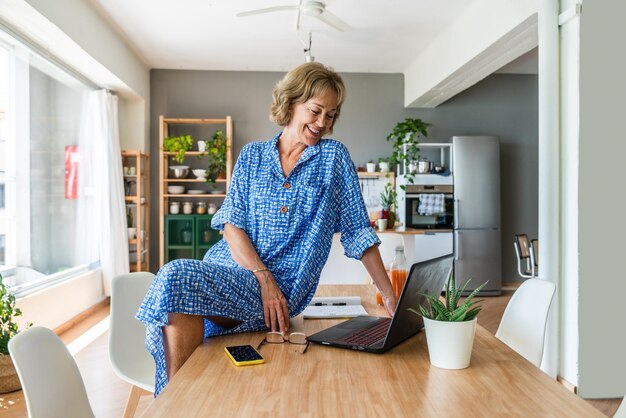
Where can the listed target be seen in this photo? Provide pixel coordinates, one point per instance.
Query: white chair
(621, 411)
(523, 324)
(51, 381)
(129, 357)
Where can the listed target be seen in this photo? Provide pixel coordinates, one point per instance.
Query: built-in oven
(429, 206)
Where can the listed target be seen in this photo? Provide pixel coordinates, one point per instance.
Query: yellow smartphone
(244, 355)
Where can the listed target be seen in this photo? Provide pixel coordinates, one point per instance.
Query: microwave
(414, 213)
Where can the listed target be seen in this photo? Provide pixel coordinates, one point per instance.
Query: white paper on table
(334, 307)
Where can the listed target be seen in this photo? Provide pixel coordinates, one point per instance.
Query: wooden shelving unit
(198, 129)
(137, 197)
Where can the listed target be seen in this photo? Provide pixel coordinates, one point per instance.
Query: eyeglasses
(297, 338)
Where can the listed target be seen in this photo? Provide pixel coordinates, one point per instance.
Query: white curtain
(102, 214)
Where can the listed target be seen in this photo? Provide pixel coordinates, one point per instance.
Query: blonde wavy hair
(312, 79)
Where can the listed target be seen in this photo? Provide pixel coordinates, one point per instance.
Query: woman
(287, 198)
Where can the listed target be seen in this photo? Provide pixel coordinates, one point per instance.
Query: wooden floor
(108, 394)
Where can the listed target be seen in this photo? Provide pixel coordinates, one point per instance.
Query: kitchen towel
(431, 203)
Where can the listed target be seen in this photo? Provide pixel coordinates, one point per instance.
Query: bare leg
(183, 334)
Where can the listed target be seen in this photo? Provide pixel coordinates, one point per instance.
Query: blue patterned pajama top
(290, 221)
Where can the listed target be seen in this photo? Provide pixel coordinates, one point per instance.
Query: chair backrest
(524, 245)
(523, 324)
(522, 249)
(388, 243)
(534, 252)
(51, 381)
(130, 359)
(621, 411)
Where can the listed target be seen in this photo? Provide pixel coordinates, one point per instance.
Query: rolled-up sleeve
(234, 208)
(356, 233)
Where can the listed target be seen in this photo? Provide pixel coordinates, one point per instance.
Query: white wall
(568, 286)
(602, 201)
(487, 35)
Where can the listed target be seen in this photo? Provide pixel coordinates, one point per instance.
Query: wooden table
(333, 382)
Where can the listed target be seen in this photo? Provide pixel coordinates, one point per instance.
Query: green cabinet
(189, 236)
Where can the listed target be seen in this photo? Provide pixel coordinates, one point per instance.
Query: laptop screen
(426, 277)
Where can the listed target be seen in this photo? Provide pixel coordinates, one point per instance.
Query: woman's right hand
(275, 308)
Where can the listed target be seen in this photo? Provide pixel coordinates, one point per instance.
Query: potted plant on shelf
(388, 202)
(404, 138)
(132, 231)
(9, 380)
(450, 326)
(178, 144)
(383, 164)
(216, 149)
(371, 166)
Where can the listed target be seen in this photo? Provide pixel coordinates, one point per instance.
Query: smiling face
(312, 119)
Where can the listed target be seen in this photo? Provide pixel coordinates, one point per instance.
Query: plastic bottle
(398, 270)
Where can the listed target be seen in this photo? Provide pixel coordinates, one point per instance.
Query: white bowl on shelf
(176, 189)
(200, 173)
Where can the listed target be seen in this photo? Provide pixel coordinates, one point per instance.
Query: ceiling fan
(315, 9)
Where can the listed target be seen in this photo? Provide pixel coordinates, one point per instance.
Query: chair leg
(133, 400)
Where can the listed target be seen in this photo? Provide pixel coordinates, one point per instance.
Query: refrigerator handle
(456, 246)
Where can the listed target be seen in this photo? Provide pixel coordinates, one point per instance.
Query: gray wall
(601, 149)
(502, 104)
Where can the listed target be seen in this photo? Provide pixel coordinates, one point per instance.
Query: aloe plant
(451, 311)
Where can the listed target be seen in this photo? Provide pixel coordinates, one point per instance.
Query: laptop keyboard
(368, 336)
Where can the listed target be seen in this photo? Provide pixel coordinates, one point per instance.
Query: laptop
(378, 334)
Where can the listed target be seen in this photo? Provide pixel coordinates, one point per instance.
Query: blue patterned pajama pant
(199, 288)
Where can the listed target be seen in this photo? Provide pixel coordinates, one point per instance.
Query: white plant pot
(371, 167)
(132, 232)
(450, 343)
(201, 146)
(384, 167)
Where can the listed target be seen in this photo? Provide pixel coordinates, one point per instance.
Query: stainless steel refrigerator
(476, 170)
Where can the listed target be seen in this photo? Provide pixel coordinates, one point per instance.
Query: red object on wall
(72, 158)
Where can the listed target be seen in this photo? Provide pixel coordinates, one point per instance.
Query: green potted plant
(389, 203)
(178, 144)
(132, 231)
(9, 380)
(450, 325)
(404, 138)
(216, 149)
(371, 166)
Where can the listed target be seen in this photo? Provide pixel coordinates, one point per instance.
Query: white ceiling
(206, 35)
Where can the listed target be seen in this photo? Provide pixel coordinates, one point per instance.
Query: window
(40, 110)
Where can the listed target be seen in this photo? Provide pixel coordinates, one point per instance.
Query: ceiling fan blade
(267, 10)
(332, 20)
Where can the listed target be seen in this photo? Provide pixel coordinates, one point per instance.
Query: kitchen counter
(412, 231)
